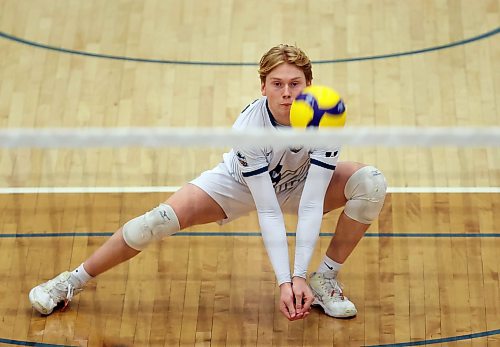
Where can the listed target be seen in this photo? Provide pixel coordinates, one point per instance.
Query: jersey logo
(276, 172)
(241, 159)
(329, 154)
(284, 177)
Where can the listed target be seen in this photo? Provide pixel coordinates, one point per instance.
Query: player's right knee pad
(365, 193)
(151, 226)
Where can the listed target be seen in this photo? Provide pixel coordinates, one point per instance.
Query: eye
(277, 84)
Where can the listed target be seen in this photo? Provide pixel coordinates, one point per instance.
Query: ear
(308, 83)
(263, 88)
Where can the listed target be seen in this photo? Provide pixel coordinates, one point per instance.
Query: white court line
(171, 189)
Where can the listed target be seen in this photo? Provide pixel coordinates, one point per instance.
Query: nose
(286, 91)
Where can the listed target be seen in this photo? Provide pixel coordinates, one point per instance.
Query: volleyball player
(306, 181)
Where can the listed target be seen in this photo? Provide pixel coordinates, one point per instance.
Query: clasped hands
(296, 299)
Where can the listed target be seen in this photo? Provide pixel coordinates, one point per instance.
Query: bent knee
(365, 192)
(153, 225)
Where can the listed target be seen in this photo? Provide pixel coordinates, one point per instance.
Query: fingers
(304, 306)
(287, 305)
(291, 309)
(308, 300)
(288, 309)
(284, 311)
(303, 298)
(298, 301)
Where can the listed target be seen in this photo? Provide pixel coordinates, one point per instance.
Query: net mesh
(118, 159)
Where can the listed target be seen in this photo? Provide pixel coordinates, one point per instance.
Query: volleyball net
(165, 158)
(221, 137)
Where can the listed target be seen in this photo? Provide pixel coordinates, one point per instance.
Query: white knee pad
(151, 226)
(365, 193)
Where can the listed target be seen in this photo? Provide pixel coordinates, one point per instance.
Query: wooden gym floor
(427, 270)
(431, 274)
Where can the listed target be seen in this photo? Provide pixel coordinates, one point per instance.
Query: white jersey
(270, 174)
(286, 166)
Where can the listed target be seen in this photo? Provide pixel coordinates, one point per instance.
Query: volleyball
(317, 106)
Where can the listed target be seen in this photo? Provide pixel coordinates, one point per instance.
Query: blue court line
(28, 343)
(240, 233)
(400, 344)
(212, 63)
(442, 340)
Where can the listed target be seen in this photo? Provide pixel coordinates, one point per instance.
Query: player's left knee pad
(365, 193)
(151, 226)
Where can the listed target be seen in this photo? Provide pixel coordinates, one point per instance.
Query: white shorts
(235, 198)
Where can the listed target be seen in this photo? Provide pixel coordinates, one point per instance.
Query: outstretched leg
(189, 206)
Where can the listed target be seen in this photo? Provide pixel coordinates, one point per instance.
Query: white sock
(81, 274)
(329, 265)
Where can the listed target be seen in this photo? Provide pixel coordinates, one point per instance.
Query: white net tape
(223, 137)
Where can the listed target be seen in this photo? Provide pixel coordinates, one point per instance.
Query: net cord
(226, 137)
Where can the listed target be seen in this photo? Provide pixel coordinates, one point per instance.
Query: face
(283, 84)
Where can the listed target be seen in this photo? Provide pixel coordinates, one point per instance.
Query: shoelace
(61, 292)
(71, 290)
(337, 290)
(69, 296)
(333, 286)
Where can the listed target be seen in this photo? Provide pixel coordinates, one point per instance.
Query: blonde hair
(284, 54)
